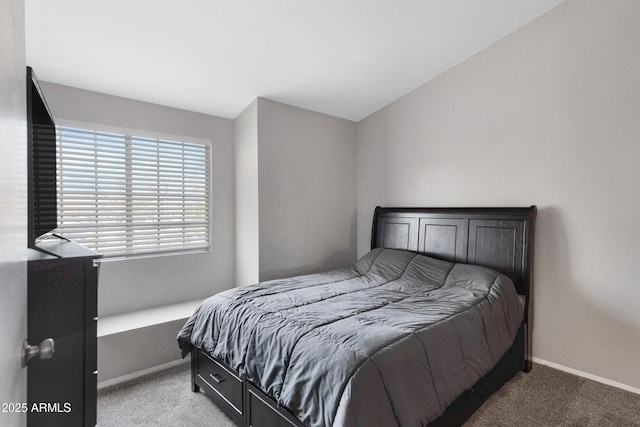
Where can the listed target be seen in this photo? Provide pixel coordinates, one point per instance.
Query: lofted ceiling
(346, 58)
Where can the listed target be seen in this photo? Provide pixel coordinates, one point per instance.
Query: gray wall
(295, 192)
(127, 285)
(138, 350)
(246, 191)
(13, 215)
(547, 116)
(307, 190)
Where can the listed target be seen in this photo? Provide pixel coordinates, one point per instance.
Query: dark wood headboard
(499, 238)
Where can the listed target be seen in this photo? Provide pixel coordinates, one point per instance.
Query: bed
(421, 330)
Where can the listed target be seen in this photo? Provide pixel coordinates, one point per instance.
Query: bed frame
(499, 238)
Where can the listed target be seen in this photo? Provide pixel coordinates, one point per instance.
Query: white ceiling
(346, 58)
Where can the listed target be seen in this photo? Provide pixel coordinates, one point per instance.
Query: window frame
(88, 126)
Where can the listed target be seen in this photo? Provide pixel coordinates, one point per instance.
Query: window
(124, 195)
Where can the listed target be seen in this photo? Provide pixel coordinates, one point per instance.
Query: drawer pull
(217, 378)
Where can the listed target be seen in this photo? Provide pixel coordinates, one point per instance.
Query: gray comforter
(390, 341)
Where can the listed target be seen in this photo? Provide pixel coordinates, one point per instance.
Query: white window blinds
(126, 195)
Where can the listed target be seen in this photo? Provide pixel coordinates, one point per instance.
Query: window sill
(118, 323)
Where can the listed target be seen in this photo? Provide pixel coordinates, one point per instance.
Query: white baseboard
(138, 374)
(586, 375)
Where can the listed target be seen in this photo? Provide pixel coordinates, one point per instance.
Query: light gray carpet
(163, 399)
(543, 397)
(548, 397)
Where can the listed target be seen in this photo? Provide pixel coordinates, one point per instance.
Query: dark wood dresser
(63, 305)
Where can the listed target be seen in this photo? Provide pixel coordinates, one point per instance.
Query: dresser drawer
(222, 381)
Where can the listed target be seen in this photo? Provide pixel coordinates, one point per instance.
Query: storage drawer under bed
(239, 399)
(221, 382)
